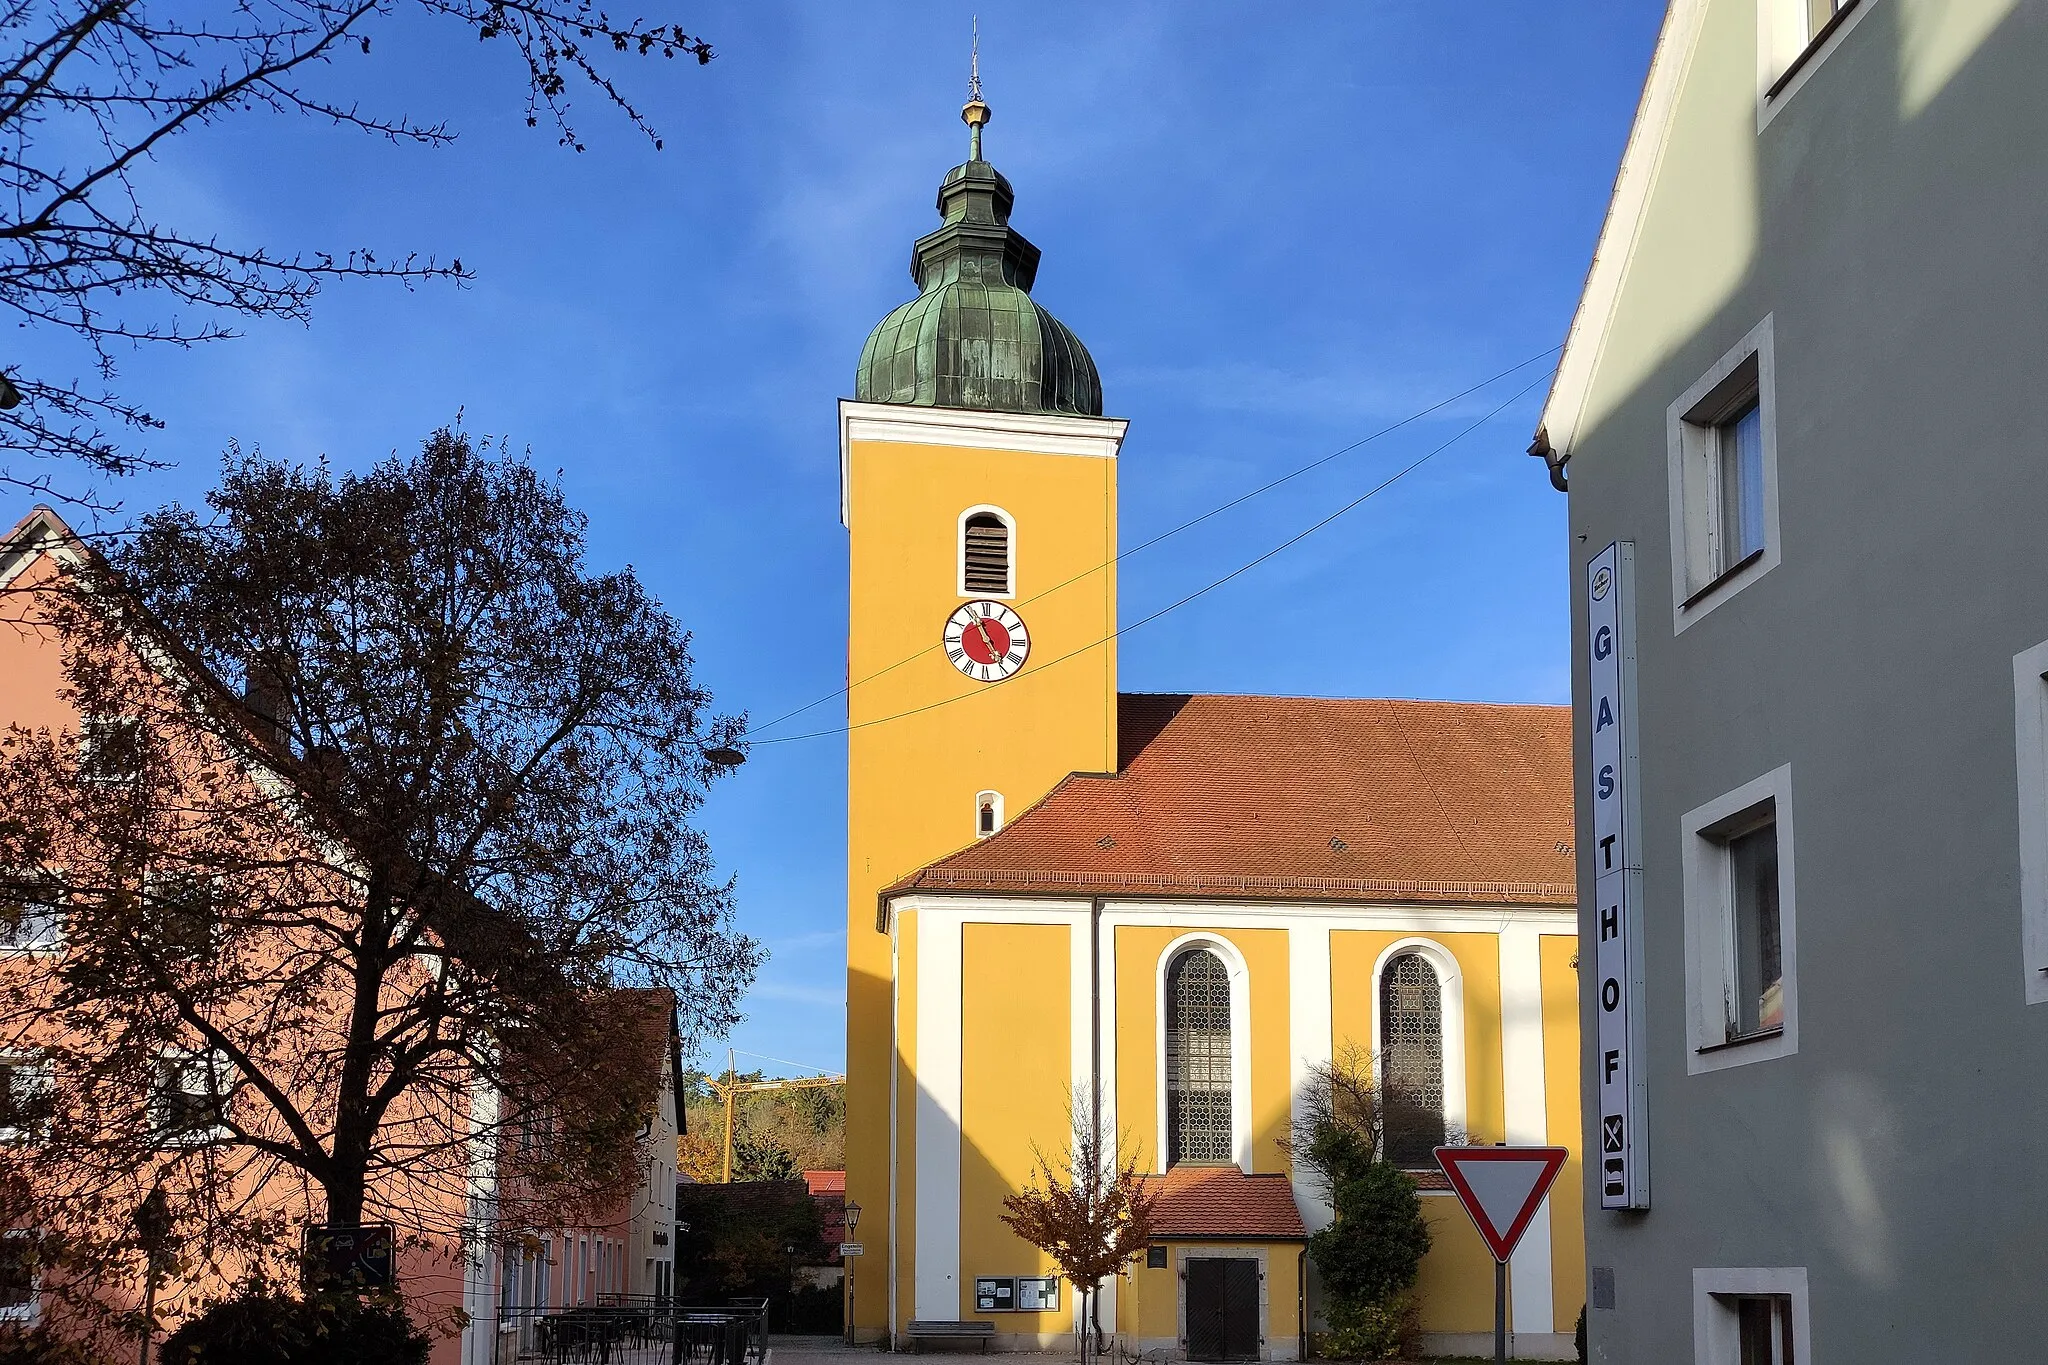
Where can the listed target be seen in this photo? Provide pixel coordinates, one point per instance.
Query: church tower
(978, 488)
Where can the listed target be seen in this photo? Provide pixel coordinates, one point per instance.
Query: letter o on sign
(1610, 993)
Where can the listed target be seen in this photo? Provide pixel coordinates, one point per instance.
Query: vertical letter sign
(1623, 1168)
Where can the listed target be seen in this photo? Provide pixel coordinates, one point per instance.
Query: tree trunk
(354, 1126)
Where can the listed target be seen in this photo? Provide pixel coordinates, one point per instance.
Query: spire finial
(975, 112)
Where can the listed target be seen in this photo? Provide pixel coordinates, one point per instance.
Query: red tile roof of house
(1222, 1203)
(1299, 798)
(826, 1182)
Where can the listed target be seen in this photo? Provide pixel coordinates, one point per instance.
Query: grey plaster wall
(1898, 233)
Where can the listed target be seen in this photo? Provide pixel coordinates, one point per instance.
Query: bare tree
(375, 860)
(92, 90)
(1086, 1207)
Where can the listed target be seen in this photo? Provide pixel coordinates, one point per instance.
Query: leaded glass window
(1412, 1060)
(1198, 1059)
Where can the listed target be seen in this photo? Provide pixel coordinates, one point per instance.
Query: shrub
(263, 1326)
(1374, 1250)
(1385, 1330)
(1579, 1336)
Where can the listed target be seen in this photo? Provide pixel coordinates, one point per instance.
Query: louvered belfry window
(985, 555)
(1412, 1060)
(1198, 1059)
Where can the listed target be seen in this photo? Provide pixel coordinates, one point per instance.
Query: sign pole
(1500, 1313)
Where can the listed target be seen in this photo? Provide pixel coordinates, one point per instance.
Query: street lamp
(846, 1264)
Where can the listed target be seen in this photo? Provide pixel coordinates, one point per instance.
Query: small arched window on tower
(1412, 1061)
(1198, 1118)
(988, 813)
(987, 554)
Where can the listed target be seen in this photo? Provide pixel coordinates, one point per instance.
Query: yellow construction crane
(732, 1085)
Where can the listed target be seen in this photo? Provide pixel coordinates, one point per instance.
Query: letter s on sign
(1605, 783)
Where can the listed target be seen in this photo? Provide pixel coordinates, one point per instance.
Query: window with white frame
(20, 1277)
(27, 1090)
(1739, 925)
(1723, 478)
(1793, 37)
(188, 1098)
(1198, 1062)
(1411, 1061)
(31, 920)
(988, 813)
(110, 749)
(987, 553)
(1750, 1317)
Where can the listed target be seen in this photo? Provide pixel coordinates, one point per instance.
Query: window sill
(1720, 580)
(1806, 54)
(1761, 1036)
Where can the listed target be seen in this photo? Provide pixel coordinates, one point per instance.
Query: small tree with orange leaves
(1085, 1207)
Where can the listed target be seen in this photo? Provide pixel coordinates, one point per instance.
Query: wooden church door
(1223, 1309)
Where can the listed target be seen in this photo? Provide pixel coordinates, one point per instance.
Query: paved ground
(835, 1351)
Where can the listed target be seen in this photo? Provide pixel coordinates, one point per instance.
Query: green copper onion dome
(974, 337)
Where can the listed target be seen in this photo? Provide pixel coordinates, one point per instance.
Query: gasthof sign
(1623, 1167)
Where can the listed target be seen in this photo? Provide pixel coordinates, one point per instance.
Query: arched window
(1412, 1060)
(985, 555)
(988, 813)
(1198, 1118)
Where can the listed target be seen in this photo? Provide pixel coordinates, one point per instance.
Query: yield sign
(1501, 1187)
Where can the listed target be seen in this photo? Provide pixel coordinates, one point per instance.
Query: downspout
(1554, 462)
(1301, 1304)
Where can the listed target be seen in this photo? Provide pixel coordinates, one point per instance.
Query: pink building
(473, 1260)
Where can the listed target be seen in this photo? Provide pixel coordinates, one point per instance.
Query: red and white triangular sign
(1501, 1187)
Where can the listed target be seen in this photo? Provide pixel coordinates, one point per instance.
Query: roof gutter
(1554, 462)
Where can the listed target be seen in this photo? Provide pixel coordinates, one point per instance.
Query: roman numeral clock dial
(987, 641)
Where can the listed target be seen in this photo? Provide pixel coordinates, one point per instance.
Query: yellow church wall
(1352, 955)
(1137, 1062)
(1016, 1086)
(1138, 950)
(1561, 1102)
(1456, 1283)
(1455, 1287)
(911, 782)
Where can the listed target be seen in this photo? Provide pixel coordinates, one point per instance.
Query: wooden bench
(920, 1328)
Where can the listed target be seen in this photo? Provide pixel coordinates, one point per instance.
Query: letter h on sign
(1617, 876)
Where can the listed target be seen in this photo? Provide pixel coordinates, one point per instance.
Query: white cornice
(1222, 913)
(41, 532)
(1031, 433)
(1564, 411)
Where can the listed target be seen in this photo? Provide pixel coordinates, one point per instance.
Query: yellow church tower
(978, 488)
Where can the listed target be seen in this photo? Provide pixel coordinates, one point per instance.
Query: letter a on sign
(1501, 1187)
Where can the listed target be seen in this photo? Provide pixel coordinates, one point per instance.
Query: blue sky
(1277, 227)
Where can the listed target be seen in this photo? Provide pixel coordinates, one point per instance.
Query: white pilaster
(1309, 1045)
(1528, 1121)
(935, 1291)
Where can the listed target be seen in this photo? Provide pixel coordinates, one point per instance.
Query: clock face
(987, 641)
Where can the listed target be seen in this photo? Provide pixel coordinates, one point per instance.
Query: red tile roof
(1222, 1203)
(1299, 798)
(826, 1182)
